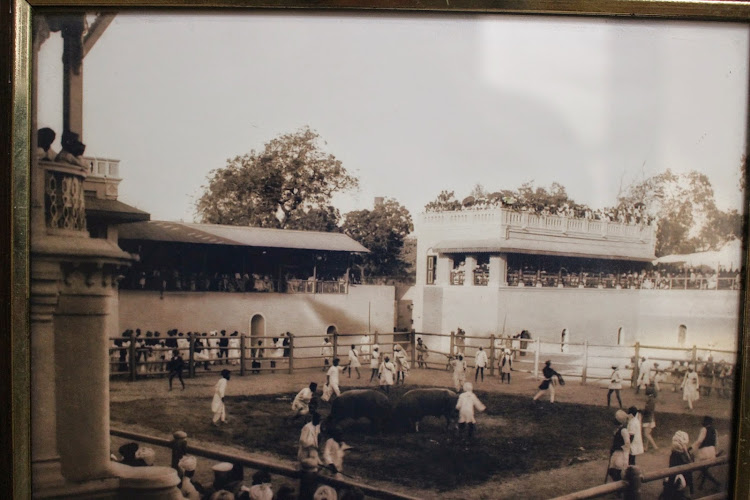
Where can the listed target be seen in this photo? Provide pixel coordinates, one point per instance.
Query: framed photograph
(398, 249)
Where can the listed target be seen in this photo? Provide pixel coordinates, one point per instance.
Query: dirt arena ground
(147, 406)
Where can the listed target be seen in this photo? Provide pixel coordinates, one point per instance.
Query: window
(431, 262)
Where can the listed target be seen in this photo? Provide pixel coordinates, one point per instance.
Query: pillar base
(46, 474)
(96, 489)
(147, 483)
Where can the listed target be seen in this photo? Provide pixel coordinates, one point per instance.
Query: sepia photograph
(345, 255)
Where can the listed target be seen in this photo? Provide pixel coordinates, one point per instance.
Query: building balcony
(500, 230)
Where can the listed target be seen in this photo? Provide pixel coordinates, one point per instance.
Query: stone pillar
(498, 270)
(45, 460)
(471, 265)
(81, 351)
(443, 272)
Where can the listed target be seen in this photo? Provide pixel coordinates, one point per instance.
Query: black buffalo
(358, 403)
(419, 403)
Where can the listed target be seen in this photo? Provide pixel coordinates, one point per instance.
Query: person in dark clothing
(620, 449)
(223, 347)
(705, 449)
(548, 384)
(175, 367)
(675, 486)
(128, 452)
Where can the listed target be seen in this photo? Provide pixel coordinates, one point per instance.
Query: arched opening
(331, 330)
(257, 328)
(682, 335)
(621, 336)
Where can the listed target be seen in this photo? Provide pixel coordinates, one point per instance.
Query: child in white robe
(467, 403)
(217, 404)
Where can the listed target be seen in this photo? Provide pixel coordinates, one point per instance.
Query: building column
(443, 272)
(45, 460)
(82, 360)
(498, 270)
(471, 265)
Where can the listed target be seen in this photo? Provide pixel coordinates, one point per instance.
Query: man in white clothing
(467, 403)
(332, 378)
(636, 434)
(301, 403)
(217, 404)
(480, 361)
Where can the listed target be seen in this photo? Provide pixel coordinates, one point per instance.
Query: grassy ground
(515, 438)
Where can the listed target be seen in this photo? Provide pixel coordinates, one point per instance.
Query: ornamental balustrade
(64, 203)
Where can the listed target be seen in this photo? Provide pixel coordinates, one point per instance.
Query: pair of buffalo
(410, 409)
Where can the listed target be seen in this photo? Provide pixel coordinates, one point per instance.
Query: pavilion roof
(215, 234)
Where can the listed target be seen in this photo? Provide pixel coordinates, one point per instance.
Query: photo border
(15, 347)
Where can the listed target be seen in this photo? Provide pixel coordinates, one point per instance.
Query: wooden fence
(629, 487)
(180, 447)
(585, 361)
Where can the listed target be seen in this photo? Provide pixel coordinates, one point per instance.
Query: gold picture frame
(20, 139)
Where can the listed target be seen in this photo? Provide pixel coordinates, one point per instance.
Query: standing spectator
(332, 377)
(636, 434)
(480, 361)
(674, 486)
(705, 447)
(234, 348)
(354, 361)
(326, 351)
(257, 355)
(619, 452)
(525, 336)
(690, 387)
(286, 343)
(460, 340)
(506, 365)
(374, 361)
(615, 384)
(467, 403)
(213, 343)
(261, 487)
(184, 345)
(364, 348)
(303, 401)
(459, 372)
(564, 339)
(223, 348)
(385, 374)
(548, 384)
(649, 419)
(217, 404)
(276, 353)
(309, 459)
(175, 367)
(402, 365)
(422, 354)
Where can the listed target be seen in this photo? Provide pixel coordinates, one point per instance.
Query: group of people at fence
(695, 379)
(229, 482)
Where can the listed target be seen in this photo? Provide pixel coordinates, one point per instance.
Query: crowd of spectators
(229, 482)
(153, 350)
(625, 214)
(646, 279)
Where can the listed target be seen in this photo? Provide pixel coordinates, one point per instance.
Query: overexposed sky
(411, 104)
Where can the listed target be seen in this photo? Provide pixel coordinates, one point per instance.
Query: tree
(381, 230)
(684, 205)
(287, 185)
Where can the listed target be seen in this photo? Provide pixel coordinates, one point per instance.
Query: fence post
(536, 358)
(335, 346)
(242, 355)
(585, 361)
(634, 477)
(492, 355)
(453, 343)
(191, 356)
(179, 448)
(132, 354)
(413, 342)
(694, 357)
(634, 377)
(291, 353)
